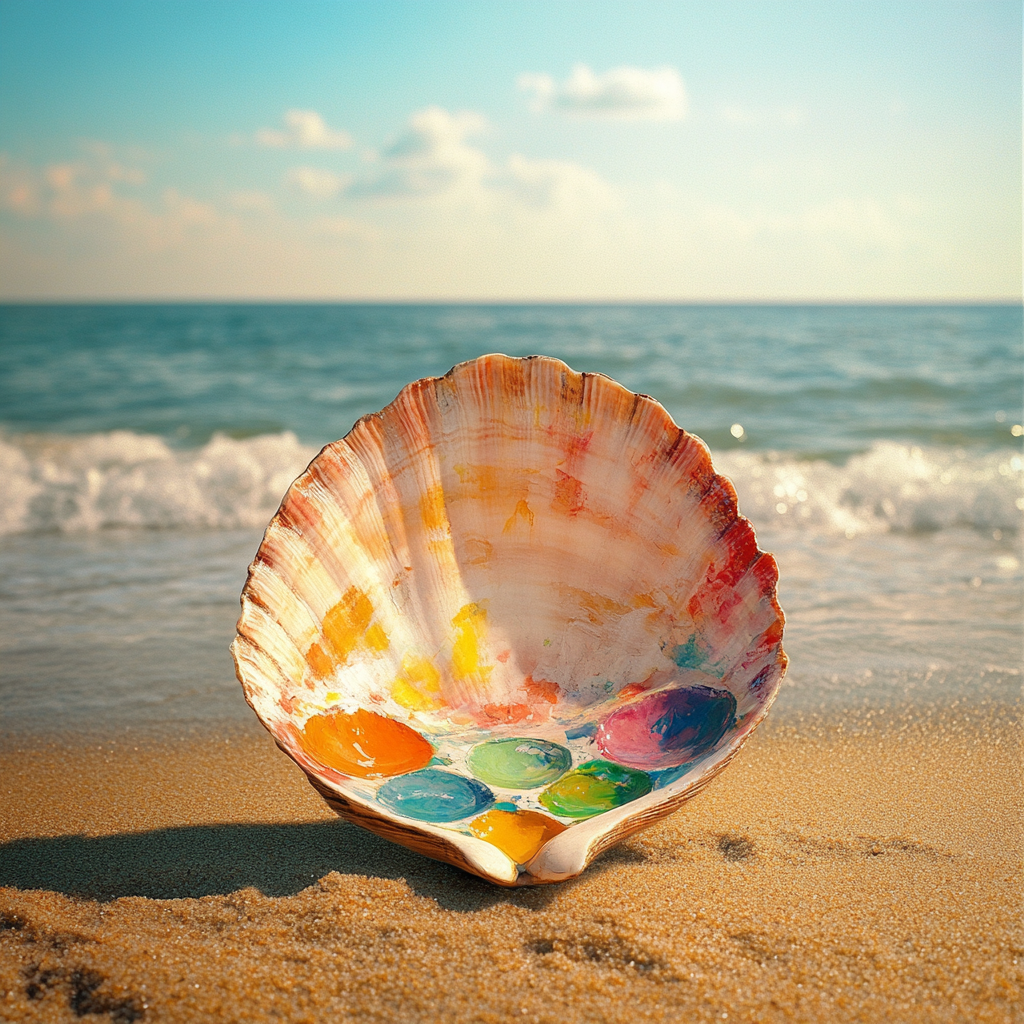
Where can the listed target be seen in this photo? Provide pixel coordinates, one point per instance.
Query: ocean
(877, 450)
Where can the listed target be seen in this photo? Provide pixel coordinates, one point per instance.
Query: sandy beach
(868, 872)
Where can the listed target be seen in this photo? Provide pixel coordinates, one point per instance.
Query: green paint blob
(519, 763)
(593, 788)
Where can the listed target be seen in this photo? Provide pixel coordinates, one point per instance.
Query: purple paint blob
(668, 728)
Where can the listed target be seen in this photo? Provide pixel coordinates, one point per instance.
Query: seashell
(511, 619)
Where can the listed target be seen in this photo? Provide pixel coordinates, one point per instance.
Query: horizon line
(413, 301)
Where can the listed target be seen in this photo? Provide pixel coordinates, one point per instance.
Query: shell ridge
(341, 553)
(415, 418)
(256, 621)
(367, 472)
(255, 682)
(282, 549)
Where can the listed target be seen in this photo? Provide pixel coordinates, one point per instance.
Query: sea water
(877, 451)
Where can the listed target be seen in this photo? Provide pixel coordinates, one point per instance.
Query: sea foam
(89, 482)
(123, 479)
(890, 487)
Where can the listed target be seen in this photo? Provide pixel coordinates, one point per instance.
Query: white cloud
(66, 190)
(431, 158)
(306, 129)
(86, 197)
(434, 159)
(316, 182)
(557, 184)
(622, 94)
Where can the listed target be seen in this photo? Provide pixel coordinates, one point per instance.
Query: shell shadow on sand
(190, 862)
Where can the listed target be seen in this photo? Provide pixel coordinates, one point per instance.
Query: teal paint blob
(593, 788)
(519, 763)
(686, 655)
(434, 795)
(670, 775)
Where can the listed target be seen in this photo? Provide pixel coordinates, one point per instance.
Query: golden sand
(866, 875)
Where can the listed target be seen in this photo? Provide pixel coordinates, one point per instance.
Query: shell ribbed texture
(511, 545)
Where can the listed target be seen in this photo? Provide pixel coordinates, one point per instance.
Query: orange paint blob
(632, 689)
(506, 714)
(542, 689)
(522, 514)
(519, 834)
(364, 744)
(319, 663)
(346, 628)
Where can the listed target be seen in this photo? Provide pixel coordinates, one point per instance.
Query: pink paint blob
(667, 729)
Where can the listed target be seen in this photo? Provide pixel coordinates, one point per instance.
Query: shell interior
(511, 614)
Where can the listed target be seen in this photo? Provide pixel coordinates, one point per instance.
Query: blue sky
(526, 150)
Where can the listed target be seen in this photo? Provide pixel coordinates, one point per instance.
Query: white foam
(122, 479)
(80, 483)
(889, 487)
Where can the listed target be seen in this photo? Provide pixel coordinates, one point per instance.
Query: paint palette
(511, 619)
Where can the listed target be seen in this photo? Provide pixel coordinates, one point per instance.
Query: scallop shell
(511, 619)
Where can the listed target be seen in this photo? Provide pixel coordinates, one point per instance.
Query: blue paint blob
(506, 805)
(670, 775)
(434, 795)
(581, 731)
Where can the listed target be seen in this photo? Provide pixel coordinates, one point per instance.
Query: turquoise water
(812, 380)
(143, 448)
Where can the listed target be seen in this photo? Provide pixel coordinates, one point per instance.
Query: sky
(550, 151)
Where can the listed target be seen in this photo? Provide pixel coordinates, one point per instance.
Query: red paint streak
(570, 497)
(577, 445)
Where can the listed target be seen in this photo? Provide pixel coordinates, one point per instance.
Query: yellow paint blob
(364, 744)
(471, 631)
(432, 509)
(418, 685)
(484, 478)
(520, 834)
(346, 627)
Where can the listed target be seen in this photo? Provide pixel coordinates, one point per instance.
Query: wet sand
(869, 873)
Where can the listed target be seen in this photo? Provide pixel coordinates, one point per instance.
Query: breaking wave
(122, 479)
(890, 487)
(82, 483)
